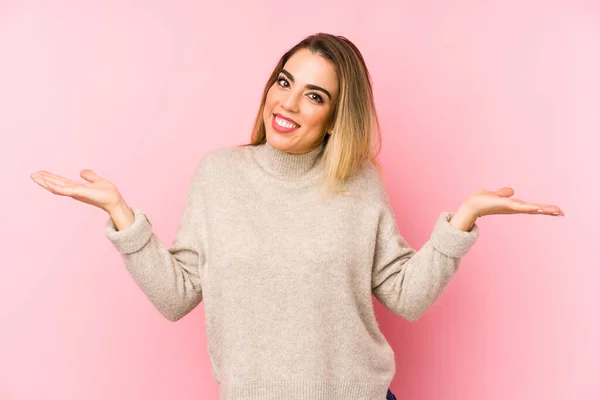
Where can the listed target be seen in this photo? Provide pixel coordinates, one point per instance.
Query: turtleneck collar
(288, 165)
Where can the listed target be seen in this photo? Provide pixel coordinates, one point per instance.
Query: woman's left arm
(407, 281)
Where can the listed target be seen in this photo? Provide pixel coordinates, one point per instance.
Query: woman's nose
(290, 102)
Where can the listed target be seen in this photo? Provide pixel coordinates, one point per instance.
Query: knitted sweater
(286, 278)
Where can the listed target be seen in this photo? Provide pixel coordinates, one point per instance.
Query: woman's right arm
(171, 278)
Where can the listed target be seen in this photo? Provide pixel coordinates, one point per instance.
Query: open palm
(484, 202)
(98, 192)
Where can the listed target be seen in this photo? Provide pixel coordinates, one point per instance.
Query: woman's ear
(330, 128)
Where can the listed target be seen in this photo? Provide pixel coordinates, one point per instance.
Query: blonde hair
(355, 140)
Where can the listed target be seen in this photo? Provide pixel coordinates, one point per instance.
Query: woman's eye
(281, 79)
(317, 97)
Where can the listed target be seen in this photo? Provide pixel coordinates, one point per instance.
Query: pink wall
(470, 95)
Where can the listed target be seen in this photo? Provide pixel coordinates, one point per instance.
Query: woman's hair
(355, 140)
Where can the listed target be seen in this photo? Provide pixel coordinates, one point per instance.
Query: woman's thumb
(89, 175)
(505, 192)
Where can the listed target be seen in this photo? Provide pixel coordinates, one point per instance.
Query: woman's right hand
(99, 192)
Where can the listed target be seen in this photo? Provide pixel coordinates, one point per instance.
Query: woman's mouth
(283, 126)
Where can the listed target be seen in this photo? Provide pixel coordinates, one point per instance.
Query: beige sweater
(286, 279)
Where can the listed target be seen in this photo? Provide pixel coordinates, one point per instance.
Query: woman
(286, 239)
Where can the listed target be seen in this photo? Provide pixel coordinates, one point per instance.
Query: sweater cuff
(134, 237)
(450, 240)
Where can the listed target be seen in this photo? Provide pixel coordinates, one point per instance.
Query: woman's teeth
(285, 124)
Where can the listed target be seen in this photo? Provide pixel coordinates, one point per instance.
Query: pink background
(470, 95)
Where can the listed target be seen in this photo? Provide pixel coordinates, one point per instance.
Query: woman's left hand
(483, 202)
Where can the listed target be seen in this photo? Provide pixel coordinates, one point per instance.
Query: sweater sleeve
(171, 278)
(408, 282)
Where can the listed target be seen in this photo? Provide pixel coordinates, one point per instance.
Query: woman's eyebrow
(308, 86)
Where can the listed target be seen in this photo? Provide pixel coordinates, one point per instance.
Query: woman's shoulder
(369, 178)
(217, 163)
(222, 156)
(368, 184)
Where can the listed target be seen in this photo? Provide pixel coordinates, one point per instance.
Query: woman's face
(305, 92)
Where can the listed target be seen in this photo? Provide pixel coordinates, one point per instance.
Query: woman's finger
(45, 184)
(59, 187)
(40, 181)
(55, 180)
(539, 208)
(53, 177)
(525, 207)
(89, 175)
